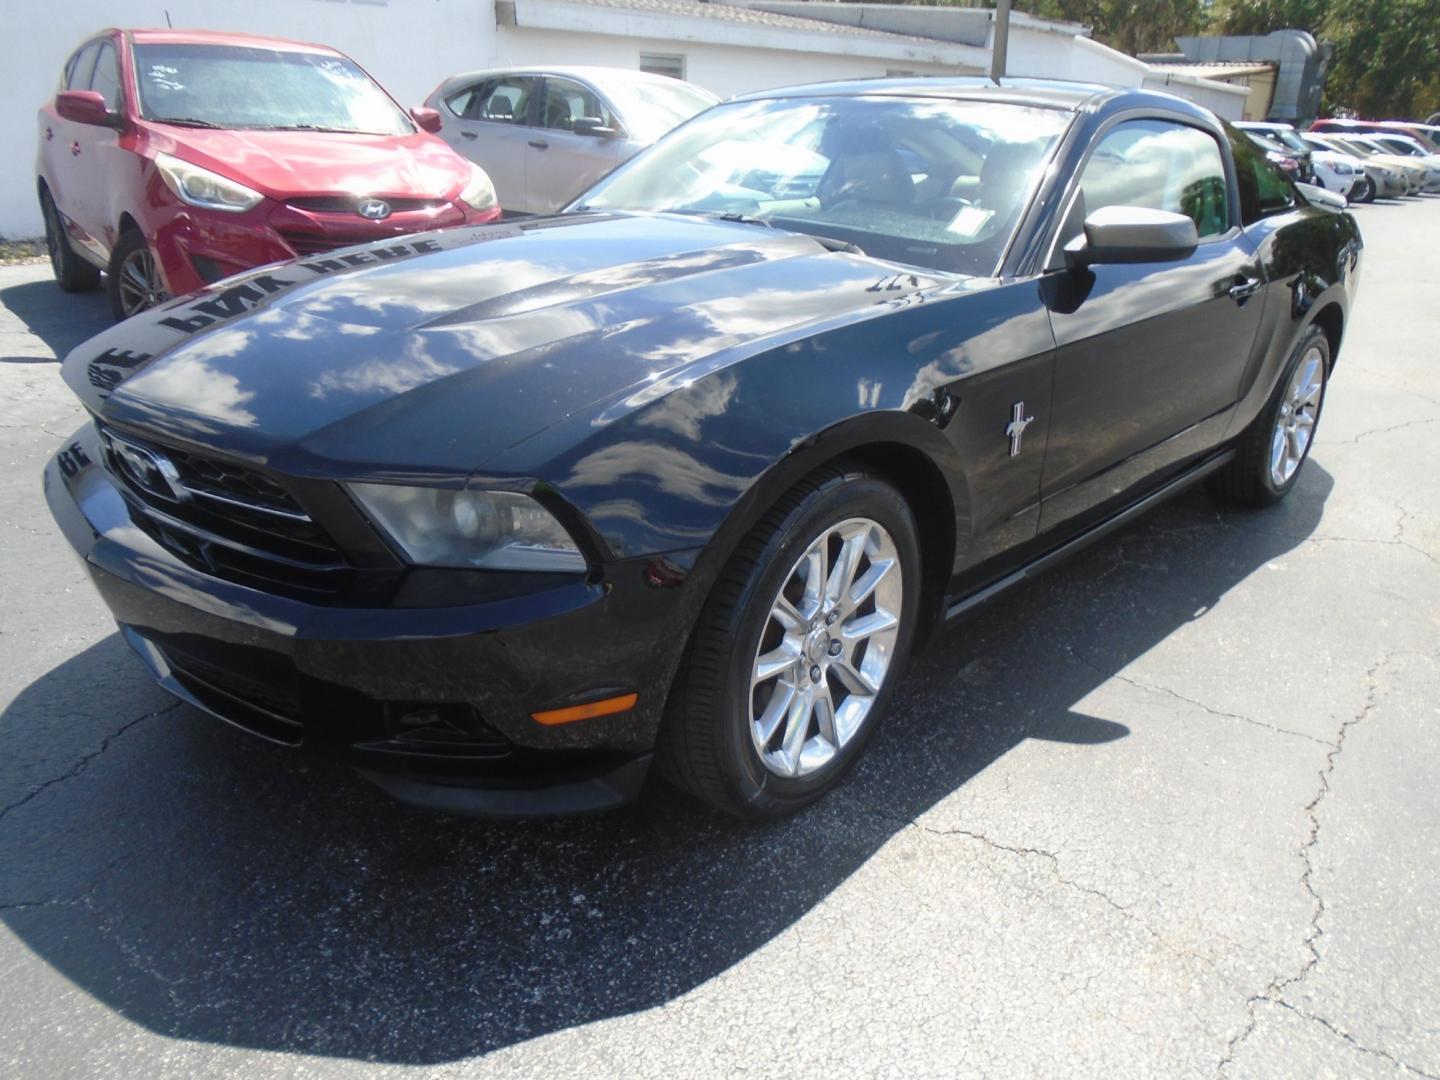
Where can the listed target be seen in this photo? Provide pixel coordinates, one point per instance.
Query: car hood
(440, 351)
(283, 163)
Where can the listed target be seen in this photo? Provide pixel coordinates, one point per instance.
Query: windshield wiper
(310, 127)
(186, 121)
(723, 215)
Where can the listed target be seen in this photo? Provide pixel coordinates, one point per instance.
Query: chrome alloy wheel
(827, 645)
(1299, 409)
(140, 284)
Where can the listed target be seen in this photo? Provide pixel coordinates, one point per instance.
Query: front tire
(1277, 444)
(1367, 193)
(133, 280)
(72, 273)
(798, 650)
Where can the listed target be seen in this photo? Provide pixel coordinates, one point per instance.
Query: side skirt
(966, 604)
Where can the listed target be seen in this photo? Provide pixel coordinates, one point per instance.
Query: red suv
(171, 159)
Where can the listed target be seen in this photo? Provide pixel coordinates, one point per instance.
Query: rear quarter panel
(1311, 260)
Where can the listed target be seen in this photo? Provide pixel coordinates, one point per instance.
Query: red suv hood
(282, 163)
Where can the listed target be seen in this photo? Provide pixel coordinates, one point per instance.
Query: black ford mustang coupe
(686, 472)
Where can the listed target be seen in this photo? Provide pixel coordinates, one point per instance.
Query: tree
(1132, 26)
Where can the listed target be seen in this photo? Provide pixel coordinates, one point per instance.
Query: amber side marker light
(591, 709)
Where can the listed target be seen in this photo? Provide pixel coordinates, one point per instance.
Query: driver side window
(1160, 165)
(566, 102)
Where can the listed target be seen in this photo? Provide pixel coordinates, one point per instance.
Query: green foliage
(1387, 52)
(1132, 26)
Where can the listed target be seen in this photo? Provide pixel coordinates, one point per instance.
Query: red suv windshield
(234, 86)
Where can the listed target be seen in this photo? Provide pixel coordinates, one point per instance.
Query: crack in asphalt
(1341, 1033)
(81, 765)
(1400, 537)
(1281, 983)
(1053, 861)
(1156, 688)
(1383, 431)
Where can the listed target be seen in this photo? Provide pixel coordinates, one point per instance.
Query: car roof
(1047, 93)
(223, 37)
(592, 73)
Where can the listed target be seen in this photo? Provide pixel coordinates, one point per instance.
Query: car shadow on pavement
(213, 888)
(61, 320)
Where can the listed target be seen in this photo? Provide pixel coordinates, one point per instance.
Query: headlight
(492, 530)
(203, 188)
(479, 193)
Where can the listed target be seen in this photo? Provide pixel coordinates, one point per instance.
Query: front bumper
(200, 247)
(434, 703)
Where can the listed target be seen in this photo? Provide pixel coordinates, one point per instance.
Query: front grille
(316, 243)
(350, 204)
(224, 518)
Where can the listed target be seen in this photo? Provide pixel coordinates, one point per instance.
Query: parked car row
(1358, 160)
(169, 160)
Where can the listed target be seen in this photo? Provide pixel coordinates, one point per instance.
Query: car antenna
(168, 23)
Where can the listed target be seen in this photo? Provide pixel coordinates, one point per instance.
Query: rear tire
(1272, 451)
(785, 681)
(72, 272)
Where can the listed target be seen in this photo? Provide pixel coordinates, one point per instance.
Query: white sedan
(546, 134)
(1341, 174)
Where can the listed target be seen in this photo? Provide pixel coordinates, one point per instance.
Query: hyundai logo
(148, 470)
(373, 209)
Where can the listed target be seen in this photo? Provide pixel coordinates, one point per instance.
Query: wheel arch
(908, 452)
(1331, 319)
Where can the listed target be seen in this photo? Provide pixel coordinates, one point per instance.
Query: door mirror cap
(594, 125)
(85, 107)
(1132, 234)
(427, 118)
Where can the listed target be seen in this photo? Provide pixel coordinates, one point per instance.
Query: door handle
(468, 135)
(540, 144)
(75, 149)
(49, 134)
(1243, 289)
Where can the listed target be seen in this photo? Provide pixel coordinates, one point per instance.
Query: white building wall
(406, 44)
(722, 69)
(1223, 99)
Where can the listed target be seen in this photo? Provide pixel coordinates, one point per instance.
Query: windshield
(1359, 149)
(1400, 145)
(1288, 138)
(651, 107)
(233, 86)
(933, 183)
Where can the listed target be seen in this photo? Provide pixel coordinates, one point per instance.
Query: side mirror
(427, 118)
(594, 125)
(1132, 234)
(85, 107)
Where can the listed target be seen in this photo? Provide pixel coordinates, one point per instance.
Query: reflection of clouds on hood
(406, 294)
(187, 380)
(305, 328)
(672, 471)
(684, 410)
(396, 375)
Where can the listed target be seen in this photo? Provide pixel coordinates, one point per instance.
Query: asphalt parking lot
(1169, 811)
